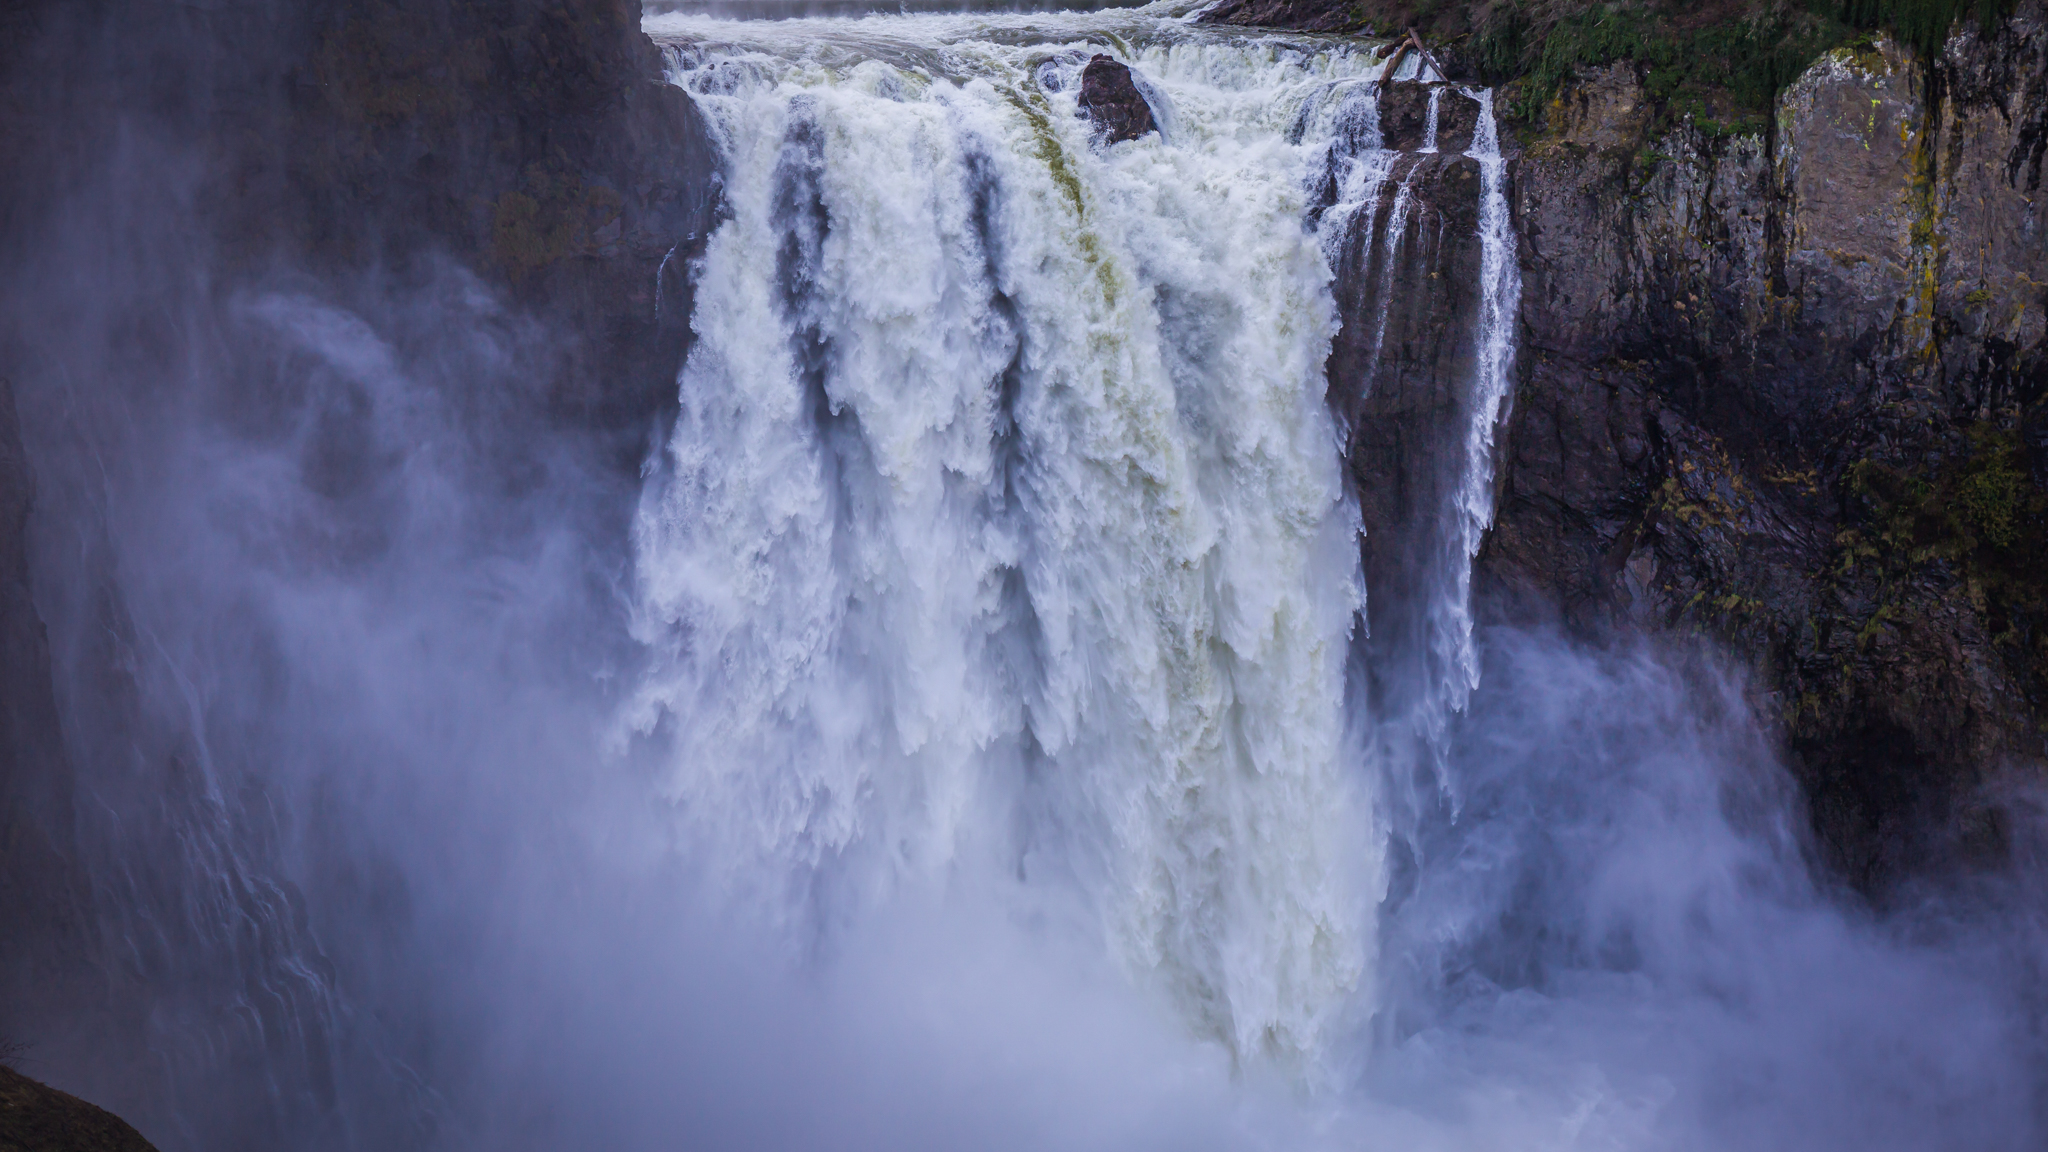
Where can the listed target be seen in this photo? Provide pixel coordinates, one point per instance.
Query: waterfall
(1493, 384)
(1001, 532)
(1419, 233)
(969, 727)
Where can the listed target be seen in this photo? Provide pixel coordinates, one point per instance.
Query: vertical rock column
(1408, 289)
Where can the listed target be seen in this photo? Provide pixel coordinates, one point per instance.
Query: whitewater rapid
(1001, 539)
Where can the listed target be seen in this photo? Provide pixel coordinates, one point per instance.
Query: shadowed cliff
(1782, 374)
(1781, 389)
(199, 197)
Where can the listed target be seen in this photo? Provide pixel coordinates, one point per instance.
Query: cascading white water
(1001, 533)
(1493, 383)
(1420, 738)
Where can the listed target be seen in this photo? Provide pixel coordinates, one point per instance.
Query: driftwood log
(1400, 48)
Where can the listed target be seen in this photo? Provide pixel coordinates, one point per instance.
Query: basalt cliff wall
(1785, 389)
(519, 166)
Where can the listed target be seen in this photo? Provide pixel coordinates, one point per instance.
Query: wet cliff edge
(1783, 388)
(37, 1118)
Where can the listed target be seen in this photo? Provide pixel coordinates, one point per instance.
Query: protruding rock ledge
(1112, 101)
(1404, 117)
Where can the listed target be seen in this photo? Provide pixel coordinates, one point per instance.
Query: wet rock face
(371, 149)
(580, 170)
(1765, 381)
(1404, 116)
(1113, 102)
(1407, 287)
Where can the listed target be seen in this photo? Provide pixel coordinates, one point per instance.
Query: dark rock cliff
(534, 141)
(1786, 389)
(1776, 388)
(1407, 264)
(168, 164)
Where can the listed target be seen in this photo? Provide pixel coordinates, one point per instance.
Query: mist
(429, 774)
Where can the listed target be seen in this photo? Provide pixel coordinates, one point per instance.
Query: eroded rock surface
(1406, 257)
(1404, 117)
(1776, 388)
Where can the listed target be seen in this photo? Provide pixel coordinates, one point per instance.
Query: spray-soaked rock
(1113, 102)
(1408, 292)
(1759, 353)
(1404, 117)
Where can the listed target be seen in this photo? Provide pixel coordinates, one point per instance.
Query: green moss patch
(550, 217)
(1976, 517)
(1719, 62)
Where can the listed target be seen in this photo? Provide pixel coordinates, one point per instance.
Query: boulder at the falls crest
(1113, 101)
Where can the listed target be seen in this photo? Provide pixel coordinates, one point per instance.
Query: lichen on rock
(1777, 392)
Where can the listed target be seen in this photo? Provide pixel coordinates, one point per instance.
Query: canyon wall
(1782, 389)
(1785, 389)
(519, 168)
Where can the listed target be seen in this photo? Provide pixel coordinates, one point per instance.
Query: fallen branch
(1394, 64)
(1427, 58)
(1401, 48)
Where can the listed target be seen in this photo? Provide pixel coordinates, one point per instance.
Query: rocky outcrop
(1776, 388)
(535, 141)
(37, 1118)
(1112, 101)
(1436, 116)
(1406, 258)
(1781, 387)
